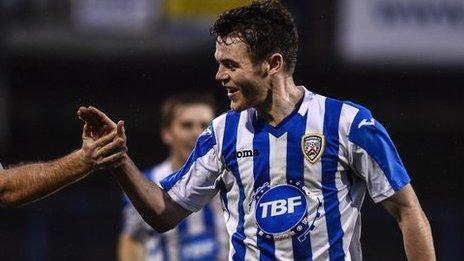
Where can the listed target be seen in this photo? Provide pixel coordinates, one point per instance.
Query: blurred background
(402, 59)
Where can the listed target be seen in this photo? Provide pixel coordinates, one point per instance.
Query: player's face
(188, 123)
(244, 81)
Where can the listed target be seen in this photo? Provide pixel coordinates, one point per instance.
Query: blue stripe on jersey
(261, 176)
(228, 152)
(161, 247)
(182, 227)
(164, 248)
(208, 218)
(375, 140)
(204, 144)
(187, 239)
(223, 194)
(329, 169)
(349, 176)
(295, 172)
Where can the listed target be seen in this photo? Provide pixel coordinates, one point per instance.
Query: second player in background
(201, 236)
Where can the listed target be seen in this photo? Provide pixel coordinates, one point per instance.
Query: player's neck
(281, 101)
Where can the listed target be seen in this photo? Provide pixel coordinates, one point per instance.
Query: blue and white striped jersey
(199, 237)
(292, 191)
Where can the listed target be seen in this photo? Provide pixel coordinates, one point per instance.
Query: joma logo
(246, 153)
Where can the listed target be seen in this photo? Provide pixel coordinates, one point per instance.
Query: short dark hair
(265, 26)
(169, 106)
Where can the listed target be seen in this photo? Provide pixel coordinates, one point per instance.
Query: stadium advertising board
(401, 31)
(116, 16)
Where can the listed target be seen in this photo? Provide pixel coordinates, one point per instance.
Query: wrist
(124, 166)
(83, 162)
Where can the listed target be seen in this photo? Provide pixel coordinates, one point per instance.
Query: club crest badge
(312, 145)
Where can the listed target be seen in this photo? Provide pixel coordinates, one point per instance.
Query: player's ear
(275, 63)
(166, 136)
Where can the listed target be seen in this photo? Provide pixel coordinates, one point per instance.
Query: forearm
(153, 204)
(30, 182)
(417, 236)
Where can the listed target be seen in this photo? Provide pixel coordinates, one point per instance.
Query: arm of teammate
(130, 249)
(156, 207)
(417, 235)
(30, 182)
(134, 235)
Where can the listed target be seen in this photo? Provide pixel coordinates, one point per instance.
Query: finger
(112, 159)
(115, 145)
(105, 139)
(101, 117)
(87, 116)
(120, 129)
(79, 111)
(87, 132)
(97, 125)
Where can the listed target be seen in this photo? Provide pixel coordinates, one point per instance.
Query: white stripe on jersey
(230, 183)
(230, 210)
(348, 214)
(378, 186)
(245, 167)
(277, 171)
(313, 178)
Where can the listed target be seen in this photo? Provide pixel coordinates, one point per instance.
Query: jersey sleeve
(196, 183)
(374, 158)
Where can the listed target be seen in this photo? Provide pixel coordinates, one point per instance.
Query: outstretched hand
(98, 123)
(103, 141)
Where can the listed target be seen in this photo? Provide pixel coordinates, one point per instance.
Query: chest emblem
(285, 210)
(312, 145)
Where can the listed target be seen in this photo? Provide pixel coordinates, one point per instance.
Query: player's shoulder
(359, 109)
(223, 117)
(348, 113)
(348, 109)
(354, 115)
(362, 124)
(230, 118)
(216, 124)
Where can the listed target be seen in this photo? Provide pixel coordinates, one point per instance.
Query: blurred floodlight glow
(115, 16)
(200, 8)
